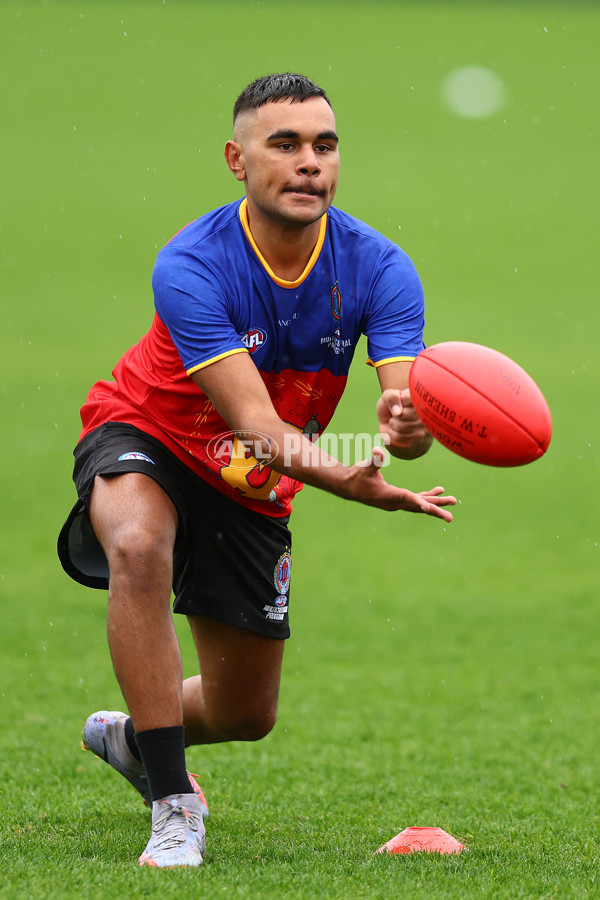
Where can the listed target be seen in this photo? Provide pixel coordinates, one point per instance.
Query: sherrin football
(480, 404)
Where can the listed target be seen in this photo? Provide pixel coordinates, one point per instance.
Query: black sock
(163, 754)
(130, 738)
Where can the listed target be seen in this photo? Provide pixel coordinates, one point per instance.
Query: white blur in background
(473, 92)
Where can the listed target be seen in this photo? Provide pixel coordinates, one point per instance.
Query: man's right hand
(366, 484)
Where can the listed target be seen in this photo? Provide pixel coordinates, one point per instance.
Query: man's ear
(234, 155)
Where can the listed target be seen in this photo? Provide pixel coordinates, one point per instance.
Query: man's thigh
(111, 451)
(129, 508)
(241, 670)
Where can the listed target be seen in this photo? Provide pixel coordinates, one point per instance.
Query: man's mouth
(304, 189)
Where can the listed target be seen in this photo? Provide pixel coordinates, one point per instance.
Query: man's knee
(251, 725)
(139, 549)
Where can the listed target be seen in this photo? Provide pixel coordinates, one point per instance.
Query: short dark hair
(272, 88)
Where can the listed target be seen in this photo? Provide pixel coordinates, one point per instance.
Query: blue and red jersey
(216, 295)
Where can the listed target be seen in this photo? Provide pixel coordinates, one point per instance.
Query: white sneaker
(104, 735)
(178, 833)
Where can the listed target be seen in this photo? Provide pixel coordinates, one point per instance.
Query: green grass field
(436, 675)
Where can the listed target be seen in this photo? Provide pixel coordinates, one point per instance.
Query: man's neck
(286, 248)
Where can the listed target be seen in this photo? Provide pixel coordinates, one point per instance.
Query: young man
(188, 460)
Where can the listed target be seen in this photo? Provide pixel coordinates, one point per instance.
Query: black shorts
(229, 563)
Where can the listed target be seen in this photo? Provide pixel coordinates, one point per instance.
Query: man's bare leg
(136, 523)
(235, 697)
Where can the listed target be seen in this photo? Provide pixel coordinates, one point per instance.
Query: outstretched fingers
(367, 485)
(433, 502)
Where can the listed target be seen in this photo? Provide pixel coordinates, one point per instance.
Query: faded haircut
(273, 88)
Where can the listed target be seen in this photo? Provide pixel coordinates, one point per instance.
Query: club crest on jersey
(253, 339)
(135, 454)
(336, 302)
(281, 575)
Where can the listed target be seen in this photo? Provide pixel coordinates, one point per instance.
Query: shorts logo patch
(281, 575)
(135, 454)
(275, 613)
(281, 600)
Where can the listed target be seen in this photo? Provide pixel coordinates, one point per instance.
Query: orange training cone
(426, 840)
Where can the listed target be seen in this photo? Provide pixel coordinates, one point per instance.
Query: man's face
(287, 155)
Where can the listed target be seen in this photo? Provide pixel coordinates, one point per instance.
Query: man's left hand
(398, 420)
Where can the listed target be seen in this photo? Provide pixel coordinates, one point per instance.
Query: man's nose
(308, 163)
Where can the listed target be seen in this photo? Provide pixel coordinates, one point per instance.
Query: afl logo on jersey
(253, 339)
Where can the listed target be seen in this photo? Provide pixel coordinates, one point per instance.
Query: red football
(480, 404)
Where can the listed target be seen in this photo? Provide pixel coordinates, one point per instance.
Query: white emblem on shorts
(276, 613)
(135, 454)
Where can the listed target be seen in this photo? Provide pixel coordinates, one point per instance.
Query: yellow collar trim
(313, 257)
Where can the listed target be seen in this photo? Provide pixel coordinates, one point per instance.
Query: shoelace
(170, 829)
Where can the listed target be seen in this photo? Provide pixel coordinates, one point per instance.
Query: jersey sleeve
(192, 302)
(395, 311)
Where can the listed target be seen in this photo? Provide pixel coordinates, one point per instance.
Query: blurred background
(469, 135)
